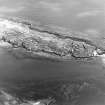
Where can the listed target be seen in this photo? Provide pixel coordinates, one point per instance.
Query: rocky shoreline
(47, 41)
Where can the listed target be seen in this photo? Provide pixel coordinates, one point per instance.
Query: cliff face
(47, 41)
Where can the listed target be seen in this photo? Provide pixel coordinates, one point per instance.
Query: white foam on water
(103, 58)
(37, 103)
(4, 44)
(95, 53)
(6, 24)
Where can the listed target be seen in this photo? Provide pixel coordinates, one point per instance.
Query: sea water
(21, 68)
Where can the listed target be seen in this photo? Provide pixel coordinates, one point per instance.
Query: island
(48, 41)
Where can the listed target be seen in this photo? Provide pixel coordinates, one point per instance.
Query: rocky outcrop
(47, 41)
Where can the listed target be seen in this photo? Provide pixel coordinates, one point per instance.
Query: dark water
(20, 68)
(40, 78)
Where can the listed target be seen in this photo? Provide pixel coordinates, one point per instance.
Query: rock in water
(46, 41)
